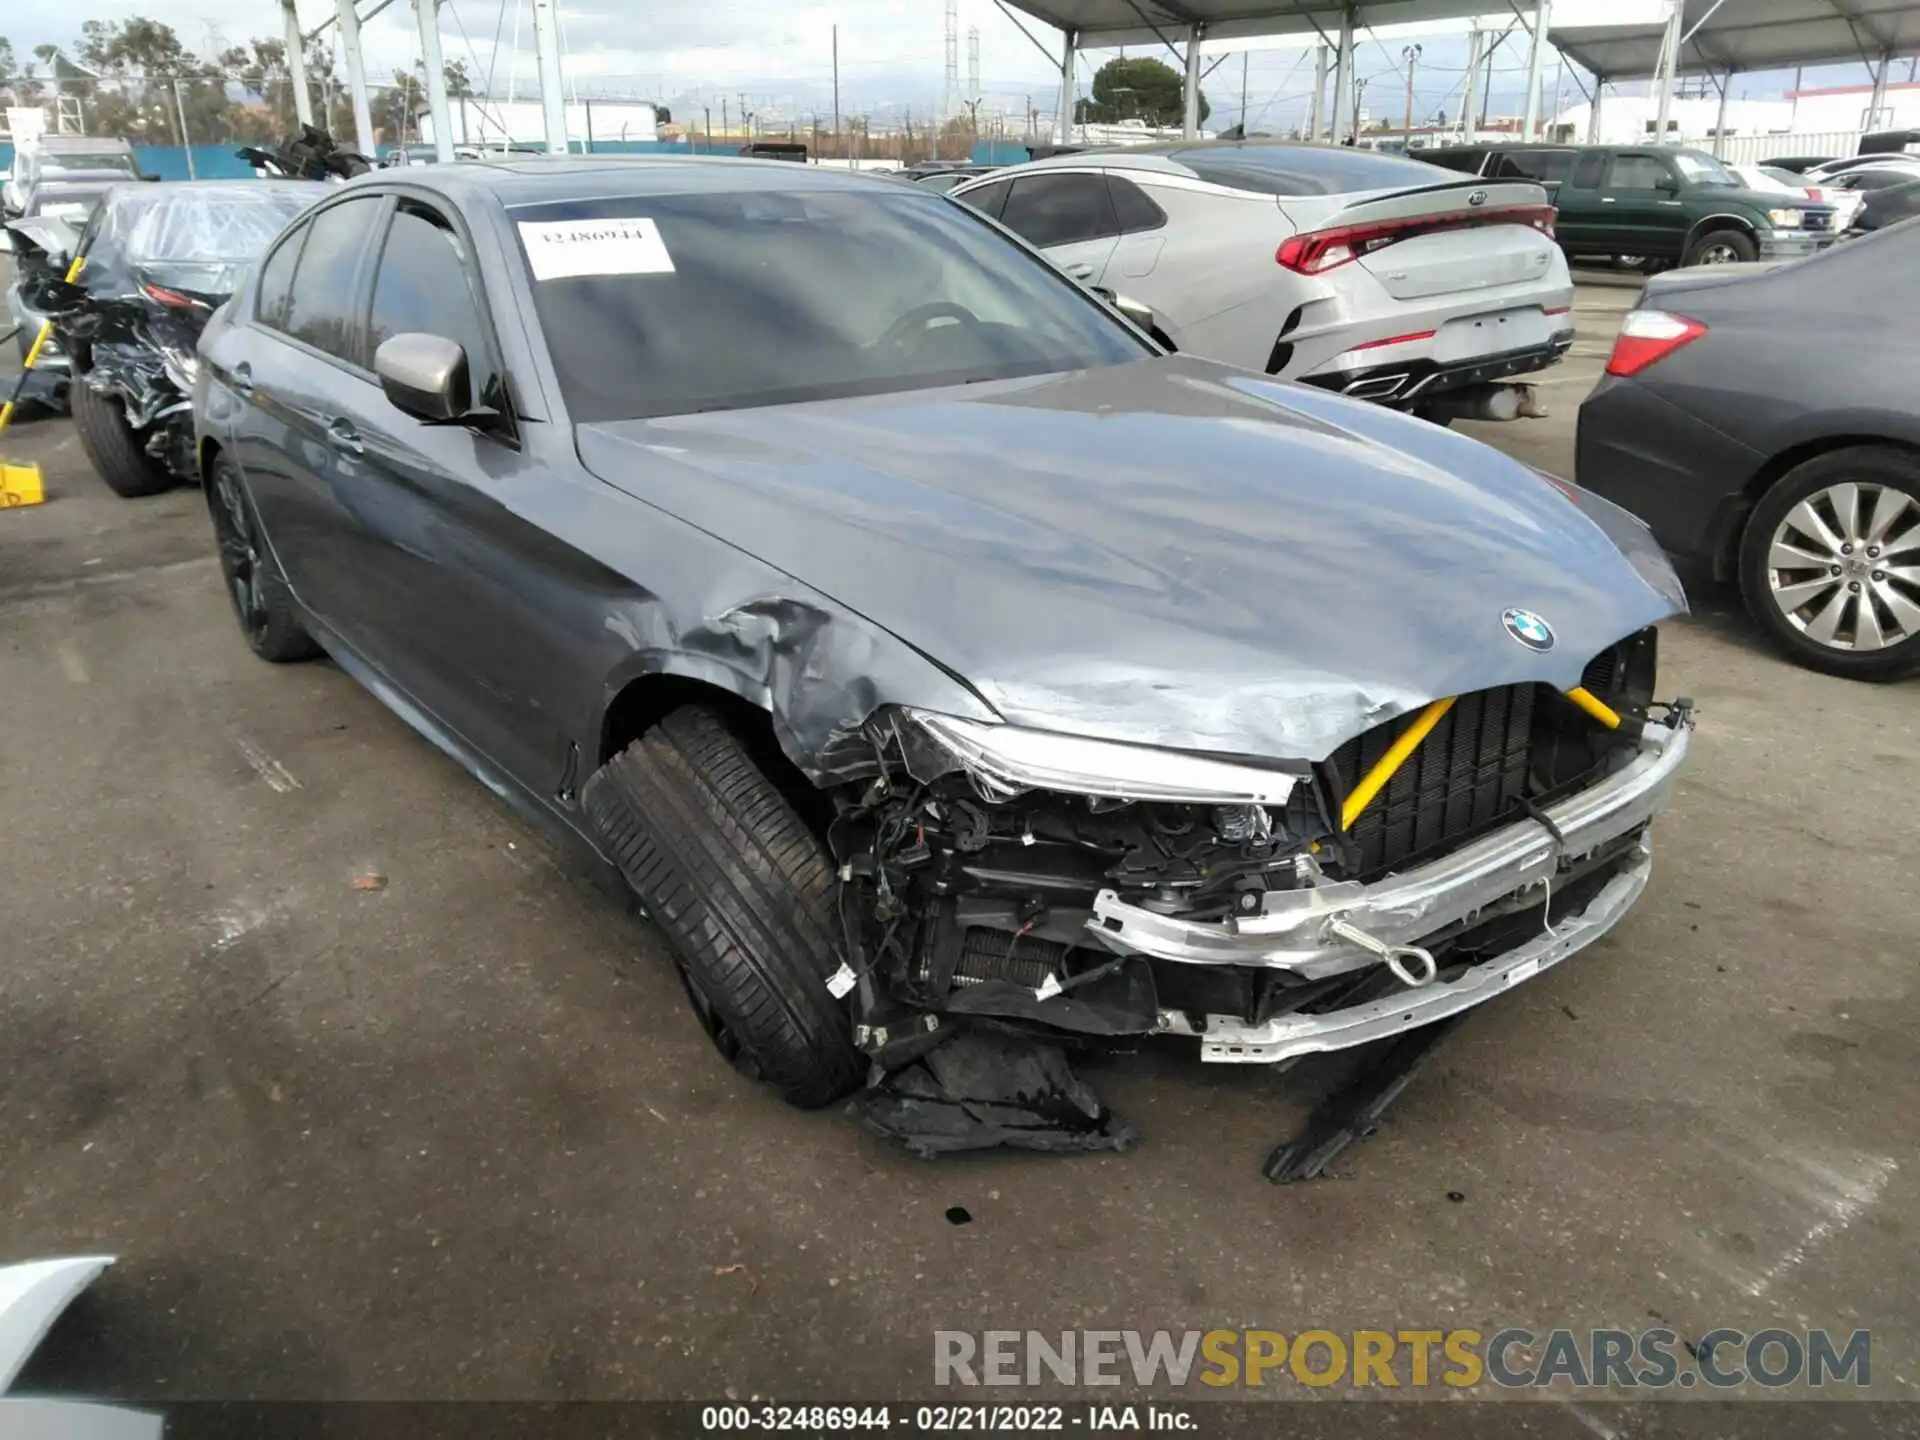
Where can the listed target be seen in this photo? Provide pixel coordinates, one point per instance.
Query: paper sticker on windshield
(567, 249)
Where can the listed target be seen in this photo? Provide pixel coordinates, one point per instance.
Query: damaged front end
(151, 375)
(1091, 892)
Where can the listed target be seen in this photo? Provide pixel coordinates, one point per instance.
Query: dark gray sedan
(1763, 422)
(930, 654)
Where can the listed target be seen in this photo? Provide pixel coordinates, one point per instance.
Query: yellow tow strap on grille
(1376, 779)
(1594, 706)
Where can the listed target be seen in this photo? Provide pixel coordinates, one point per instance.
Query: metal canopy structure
(1723, 38)
(1742, 35)
(1182, 26)
(1103, 23)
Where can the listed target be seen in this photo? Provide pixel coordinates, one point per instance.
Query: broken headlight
(1005, 760)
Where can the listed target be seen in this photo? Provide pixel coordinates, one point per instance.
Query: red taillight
(172, 299)
(1647, 336)
(1312, 252)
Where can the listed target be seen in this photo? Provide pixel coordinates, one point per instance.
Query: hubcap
(239, 553)
(1719, 255)
(1844, 566)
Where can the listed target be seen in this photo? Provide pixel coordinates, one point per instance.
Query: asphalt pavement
(373, 1097)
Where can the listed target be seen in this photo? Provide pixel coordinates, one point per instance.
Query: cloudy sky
(778, 53)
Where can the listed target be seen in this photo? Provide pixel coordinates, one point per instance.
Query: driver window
(425, 283)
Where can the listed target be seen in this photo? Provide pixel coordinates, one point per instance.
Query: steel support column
(553, 95)
(1345, 120)
(425, 14)
(296, 62)
(1190, 90)
(1669, 65)
(1063, 121)
(1536, 58)
(1317, 113)
(356, 76)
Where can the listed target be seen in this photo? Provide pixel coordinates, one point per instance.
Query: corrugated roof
(1147, 22)
(1750, 35)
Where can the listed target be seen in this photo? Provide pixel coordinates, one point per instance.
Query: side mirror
(1667, 185)
(425, 376)
(1139, 314)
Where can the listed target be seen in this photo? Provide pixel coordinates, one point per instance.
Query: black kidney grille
(1467, 774)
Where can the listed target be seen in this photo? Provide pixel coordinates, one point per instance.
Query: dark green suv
(1652, 203)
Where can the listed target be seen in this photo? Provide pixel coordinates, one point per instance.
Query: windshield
(223, 228)
(671, 304)
(1703, 169)
(75, 162)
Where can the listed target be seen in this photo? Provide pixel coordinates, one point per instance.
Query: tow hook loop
(1411, 965)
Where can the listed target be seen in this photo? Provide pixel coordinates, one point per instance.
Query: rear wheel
(261, 601)
(1722, 247)
(1830, 563)
(112, 446)
(744, 892)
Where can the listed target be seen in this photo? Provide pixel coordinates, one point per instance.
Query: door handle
(343, 437)
(1606, 199)
(1080, 270)
(243, 378)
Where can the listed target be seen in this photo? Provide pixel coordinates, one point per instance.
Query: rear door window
(1637, 172)
(1545, 166)
(988, 199)
(276, 281)
(321, 309)
(1587, 171)
(1049, 210)
(1133, 208)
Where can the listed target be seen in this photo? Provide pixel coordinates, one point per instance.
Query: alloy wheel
(1844, 566)
(1722, 254)
(240, 554)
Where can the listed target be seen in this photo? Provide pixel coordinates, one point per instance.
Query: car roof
(513, 181)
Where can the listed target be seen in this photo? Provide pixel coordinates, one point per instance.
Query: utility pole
(709, 110)
(1243, 94)
(1359, 99)
(1411, 54)
(726, 126)
(836, 85)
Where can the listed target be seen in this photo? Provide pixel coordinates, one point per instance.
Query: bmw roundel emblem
(1528, 628)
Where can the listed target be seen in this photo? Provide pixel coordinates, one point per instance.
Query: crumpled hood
(1170, 552)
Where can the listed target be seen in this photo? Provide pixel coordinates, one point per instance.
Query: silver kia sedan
(1377, 276)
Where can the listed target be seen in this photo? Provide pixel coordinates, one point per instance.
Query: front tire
(1722, 247)
(262, 604)
(745, 893)
(115, 453)
(1830, 563)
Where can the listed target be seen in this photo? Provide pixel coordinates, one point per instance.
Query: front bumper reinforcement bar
(1294, 929)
